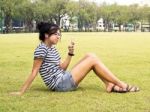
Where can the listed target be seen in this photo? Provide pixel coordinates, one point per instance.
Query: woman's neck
(47, 44)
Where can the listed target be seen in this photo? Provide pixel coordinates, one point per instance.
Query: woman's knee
(92, 57)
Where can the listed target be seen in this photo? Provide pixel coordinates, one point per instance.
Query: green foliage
(146, 13)
(86, 12)
(72, 8)
(8, 11)
(87, 15)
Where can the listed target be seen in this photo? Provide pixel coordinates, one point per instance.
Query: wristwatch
(70, 54)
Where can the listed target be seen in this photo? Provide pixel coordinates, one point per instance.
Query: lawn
(127, 55)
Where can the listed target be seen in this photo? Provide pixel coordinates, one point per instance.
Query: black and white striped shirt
(50, 70)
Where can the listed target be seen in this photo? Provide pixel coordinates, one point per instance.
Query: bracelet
(70, 54)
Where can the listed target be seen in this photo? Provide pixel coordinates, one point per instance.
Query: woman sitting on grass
(54, 73)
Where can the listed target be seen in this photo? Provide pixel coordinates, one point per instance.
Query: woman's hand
(16, 93)
(36, 66)
(71, 48)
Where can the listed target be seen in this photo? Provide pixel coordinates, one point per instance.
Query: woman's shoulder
(41, 47)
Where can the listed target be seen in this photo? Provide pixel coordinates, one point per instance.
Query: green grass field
(127, 55)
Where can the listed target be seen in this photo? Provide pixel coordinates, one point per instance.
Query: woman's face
(54, 38)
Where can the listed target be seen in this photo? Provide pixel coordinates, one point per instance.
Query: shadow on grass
(79, 89)
(91, 88)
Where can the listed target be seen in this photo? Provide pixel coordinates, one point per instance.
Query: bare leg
(110, 85)
(91, 62)
(87, 56)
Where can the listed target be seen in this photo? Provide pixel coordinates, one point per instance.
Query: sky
(124, 2)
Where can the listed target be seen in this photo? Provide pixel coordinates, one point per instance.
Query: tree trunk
(134, 27)
(149, 25)
(28, 26)
(8, 23)
(120, 28)
(106, 26)
(57, 19)
(80, 24)
(142, 30)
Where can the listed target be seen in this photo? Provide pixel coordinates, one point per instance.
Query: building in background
(100, 25)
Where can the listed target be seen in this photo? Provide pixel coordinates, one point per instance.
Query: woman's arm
(36, 66)
(64, 65)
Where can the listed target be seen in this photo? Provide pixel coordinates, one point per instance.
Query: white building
(65, 22)
(100, 25)
(67, 25)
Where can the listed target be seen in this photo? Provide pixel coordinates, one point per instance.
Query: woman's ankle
(109, 87)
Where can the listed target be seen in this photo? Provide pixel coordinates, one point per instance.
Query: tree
(120, 16)
(93, 17)
(72, 10)
(42, 11)
(106, 14)
(58, 9)
(1, 19)
(7, 8)
(135, 14)
(145, 15)
(25, 12)
(87, 15)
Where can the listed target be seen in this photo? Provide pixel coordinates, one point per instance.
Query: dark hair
(46, 28)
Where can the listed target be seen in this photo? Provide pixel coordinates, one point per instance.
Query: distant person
(53, 71)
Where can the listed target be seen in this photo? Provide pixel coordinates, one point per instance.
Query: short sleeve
(40, 52)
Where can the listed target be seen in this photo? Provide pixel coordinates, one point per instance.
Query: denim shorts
(65, 83)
